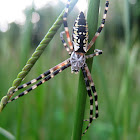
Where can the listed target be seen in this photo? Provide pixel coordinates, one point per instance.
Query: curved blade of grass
(6, 134)
(35, 56)
(92, 19)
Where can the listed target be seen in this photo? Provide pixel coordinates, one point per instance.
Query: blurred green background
(47, 113)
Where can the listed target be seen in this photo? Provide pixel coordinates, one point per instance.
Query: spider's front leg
(50, 74)
(93, 90)
(90, 86)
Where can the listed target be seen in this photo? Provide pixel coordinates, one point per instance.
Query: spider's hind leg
(66, 26)
(100, 27)
(64, 42)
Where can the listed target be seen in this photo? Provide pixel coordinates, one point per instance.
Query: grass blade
(92, 19)
(39, 50)
(6, 134)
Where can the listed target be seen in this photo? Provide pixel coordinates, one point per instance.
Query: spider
(77, 49)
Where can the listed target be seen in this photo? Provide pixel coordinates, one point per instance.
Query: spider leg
(88, 79)
(40, 76)
(96, 53)
(88, 88)
(101, 26)
(62, 66)
(94, 93)
(66, 25)
(64, 43)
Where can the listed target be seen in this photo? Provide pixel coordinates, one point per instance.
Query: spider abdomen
(80, 34)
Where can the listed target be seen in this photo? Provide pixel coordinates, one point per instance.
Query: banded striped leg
(101, 26)
(96, 53)
(49, 74)
(64, 43)
(94, 93)
(40, 76)
(66, 26)
(90, 96)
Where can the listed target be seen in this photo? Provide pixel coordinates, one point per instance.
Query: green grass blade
(92, 19)
(35, 56)
(7, 134)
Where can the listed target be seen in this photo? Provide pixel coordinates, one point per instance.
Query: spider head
(77, 60)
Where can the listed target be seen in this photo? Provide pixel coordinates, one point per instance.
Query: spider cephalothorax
(77, 60)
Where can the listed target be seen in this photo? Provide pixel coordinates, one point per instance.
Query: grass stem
(92, 19)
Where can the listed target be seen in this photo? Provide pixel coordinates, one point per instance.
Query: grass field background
(47, 113)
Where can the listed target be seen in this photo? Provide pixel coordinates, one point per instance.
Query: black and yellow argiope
(77, 50)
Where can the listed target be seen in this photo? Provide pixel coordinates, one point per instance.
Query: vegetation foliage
(48, 112)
